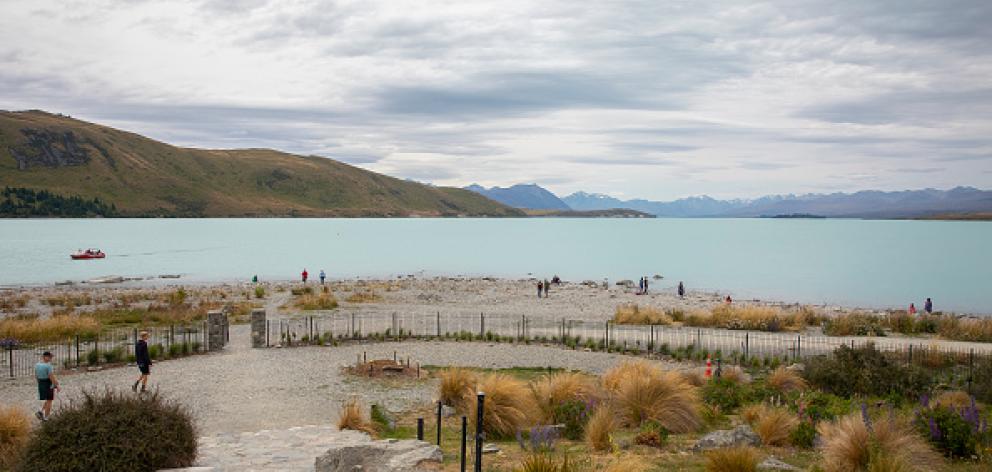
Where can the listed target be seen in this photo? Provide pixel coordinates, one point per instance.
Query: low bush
(853, 324)
(866, 371)
(55, 328)
(323, 301)
(112, 356)
(92, 357)
(259, 291)
(635, 314)
(753, 317)
(651, 434)
(352, 416)
(732, 459)
(723, 393)
(15, 429)
(509, 405)
(954, 431)
(804, 434)
(573, 414)
(112, 431)
(857, 442)
(600, 428)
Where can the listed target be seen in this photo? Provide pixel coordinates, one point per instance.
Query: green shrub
(573, 414)
(381, 419)
(822, 406)
(651, 434)
(259, 291)
(114, 355)
(113, 432)
(175, 349)
(956, 433)
(804, 434)
(724, 393)
(93, 357)
(155, 351)
(866, 371)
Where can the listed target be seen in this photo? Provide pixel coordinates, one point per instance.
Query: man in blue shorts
(47, 385)
(144, 361)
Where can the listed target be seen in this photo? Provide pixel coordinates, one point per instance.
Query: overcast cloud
(652, 99)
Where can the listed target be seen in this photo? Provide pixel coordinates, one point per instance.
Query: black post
(10, 355)
(479, 437)
(439, 405)
(77, 350)
(747, 346)
(267, 332)
(438, 324)
(464, 437)
(971, 368)
(420, 429)
(911, 354)
(719, 367)
(482, 325)
(606, 339)
(799, 347)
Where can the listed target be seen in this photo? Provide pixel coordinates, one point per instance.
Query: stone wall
(258, 327)
(217, 326)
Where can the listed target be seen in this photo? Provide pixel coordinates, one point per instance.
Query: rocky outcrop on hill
(49, 148)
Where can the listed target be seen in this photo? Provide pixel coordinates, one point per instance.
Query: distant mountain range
(864, 204)
(78, 167)
(527, 196)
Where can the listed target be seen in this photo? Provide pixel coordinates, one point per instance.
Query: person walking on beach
(912, 309)
(304, 274)
(144, 361)
(540, 288)
(47, 385)
(547, 288)
(322, 275)
(928, 306)
(640, 286)
(728, 300)
(681, 290)
(645, 285)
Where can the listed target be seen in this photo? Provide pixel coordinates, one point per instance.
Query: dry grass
(552, 390)
(964, 329)
(635, 314)
(732, 459)
(785, 380)
(310, 301)
(56, 328)
(773, 425)
(849, 446)
(152, 315)
(663, 396)
(363, 297)
(600, 428)
(15, 429)
(627, 369)
(955, 399)
(695, 377)
(756, 317)
(735, 374)
(628, 464)
(509, 405)
(352, 416)
(457, 388)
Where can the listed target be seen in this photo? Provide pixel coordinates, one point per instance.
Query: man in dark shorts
(47, 385)
(144, 362)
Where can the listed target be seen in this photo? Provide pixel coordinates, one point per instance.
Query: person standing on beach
(681, 290)
(47, 385)
(322, 275)
(645, 285)
(928, 306)
(304, 274)
(547, 288)
(912, 308)
(144, 361)
(540, 288)
(640, 286)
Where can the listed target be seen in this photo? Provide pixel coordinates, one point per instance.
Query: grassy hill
(143, 177)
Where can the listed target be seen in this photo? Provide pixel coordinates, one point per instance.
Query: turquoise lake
(847, 262)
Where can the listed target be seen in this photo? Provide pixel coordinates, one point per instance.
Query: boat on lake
(88, 254)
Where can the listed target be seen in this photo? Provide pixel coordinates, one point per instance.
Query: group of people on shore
(305, 275)
(927, 307)
(544, 286)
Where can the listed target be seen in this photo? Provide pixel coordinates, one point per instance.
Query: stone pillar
(216, 330)
(258, 327)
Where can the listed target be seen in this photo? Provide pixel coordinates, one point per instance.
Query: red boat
(88, 254)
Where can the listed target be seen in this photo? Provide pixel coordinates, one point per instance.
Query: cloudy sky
(656, 99)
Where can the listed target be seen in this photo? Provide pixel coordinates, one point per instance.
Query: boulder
(772, 463)
(742, 435)
(359, 452)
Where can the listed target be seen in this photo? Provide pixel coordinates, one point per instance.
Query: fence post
(747, 345)
(464, 437)
(971, 367)
(799, 346)
(10, 355)
(910, 354)
(482, 325)
(606, 337)
(438, 324)
(420, 429)
(479, 437)
(77, 351)
(439, 406)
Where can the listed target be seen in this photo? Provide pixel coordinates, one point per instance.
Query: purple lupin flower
(925, 401)
(865, 417)
(934, 430)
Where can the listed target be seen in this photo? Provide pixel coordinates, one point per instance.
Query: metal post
(747, 345)
(799, 347)
(10, 355)
(420, 429)
(971, 367)
(482, 325)
(439, 405)
(77, 350)
(439, 324)
(464, 437)
(479, 436)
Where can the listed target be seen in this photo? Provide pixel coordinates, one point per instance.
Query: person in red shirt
(912, 309)
(304, 276)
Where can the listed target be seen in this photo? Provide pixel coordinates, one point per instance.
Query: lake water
(848, 262)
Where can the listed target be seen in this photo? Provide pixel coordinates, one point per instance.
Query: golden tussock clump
(363, 297)
(955, 399)
(15, 430)
(891, 444)
(627, 369)
(732, 459)
(785, 380)
(663, 396)
(56, 328)
(509, 405)
(352, 416)
(600, 428)
(635, 314)
(628, 464)
(550, 391)
(773, 425)
(322, 301)
(457, 387)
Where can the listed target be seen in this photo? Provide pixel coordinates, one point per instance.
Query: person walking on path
(540, 288)
(144, 361)
(322, 276)
(645, 285)
(640, 286)
(912, 309)
(547, 288)
(681, 290)
(304, 275)
(47, 385)
(928, 306)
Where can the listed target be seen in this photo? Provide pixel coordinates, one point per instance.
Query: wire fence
(113, 346)
(739, 346)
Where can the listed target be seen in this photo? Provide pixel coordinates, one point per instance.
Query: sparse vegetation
(866, 371)
(56, 328)
(363, 297)
(352, 416)
(15, 429)
(733, 459)
(322, 301)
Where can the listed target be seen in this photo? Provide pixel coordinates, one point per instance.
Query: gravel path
(244, 389)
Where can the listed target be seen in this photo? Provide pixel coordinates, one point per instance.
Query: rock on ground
(773, 463)
(742, 435)
(358, 452)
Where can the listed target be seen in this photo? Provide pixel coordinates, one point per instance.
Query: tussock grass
(352, 416)
(322, 301)
(964, 329)
(363, 297)
(540, 462)
(457, 388)
(735, 374)
(628, 464)
(773, 425)
(854, 324)
(600, 429)
(754, 317)
(627, 369)
(641, 315)
(509, 405)
(552, 390)
(732, 459)
(56, 328)
(891, 444)
(151, 315)
(663, 396)
(954, 399)
(15, 429)
(785, 380)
